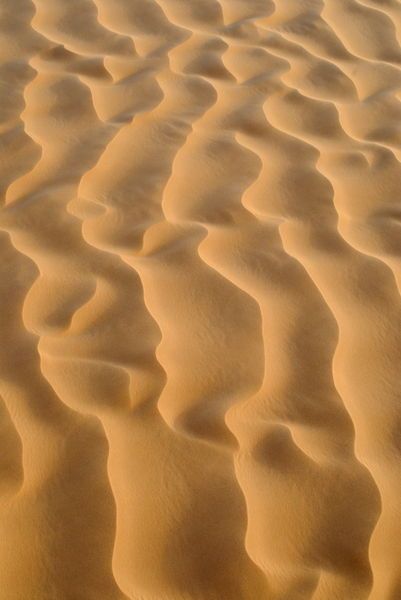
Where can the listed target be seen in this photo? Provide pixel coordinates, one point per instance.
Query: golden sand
(200, 312)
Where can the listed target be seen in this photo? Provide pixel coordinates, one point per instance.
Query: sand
(200, 300)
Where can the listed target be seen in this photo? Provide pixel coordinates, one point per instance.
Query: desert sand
(200, 312)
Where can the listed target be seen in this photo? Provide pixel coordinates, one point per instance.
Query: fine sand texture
(200, 357)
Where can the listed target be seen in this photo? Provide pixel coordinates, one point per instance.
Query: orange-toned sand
(200, 359)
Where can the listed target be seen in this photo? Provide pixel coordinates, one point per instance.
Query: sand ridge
(199, 374)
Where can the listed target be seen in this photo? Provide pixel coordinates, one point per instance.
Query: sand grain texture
(200, 300)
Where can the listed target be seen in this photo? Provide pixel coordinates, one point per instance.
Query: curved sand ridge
(200, 312)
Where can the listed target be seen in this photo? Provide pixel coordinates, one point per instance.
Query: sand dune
(200, 308)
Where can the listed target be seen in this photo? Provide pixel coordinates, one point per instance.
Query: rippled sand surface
(200, 300)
